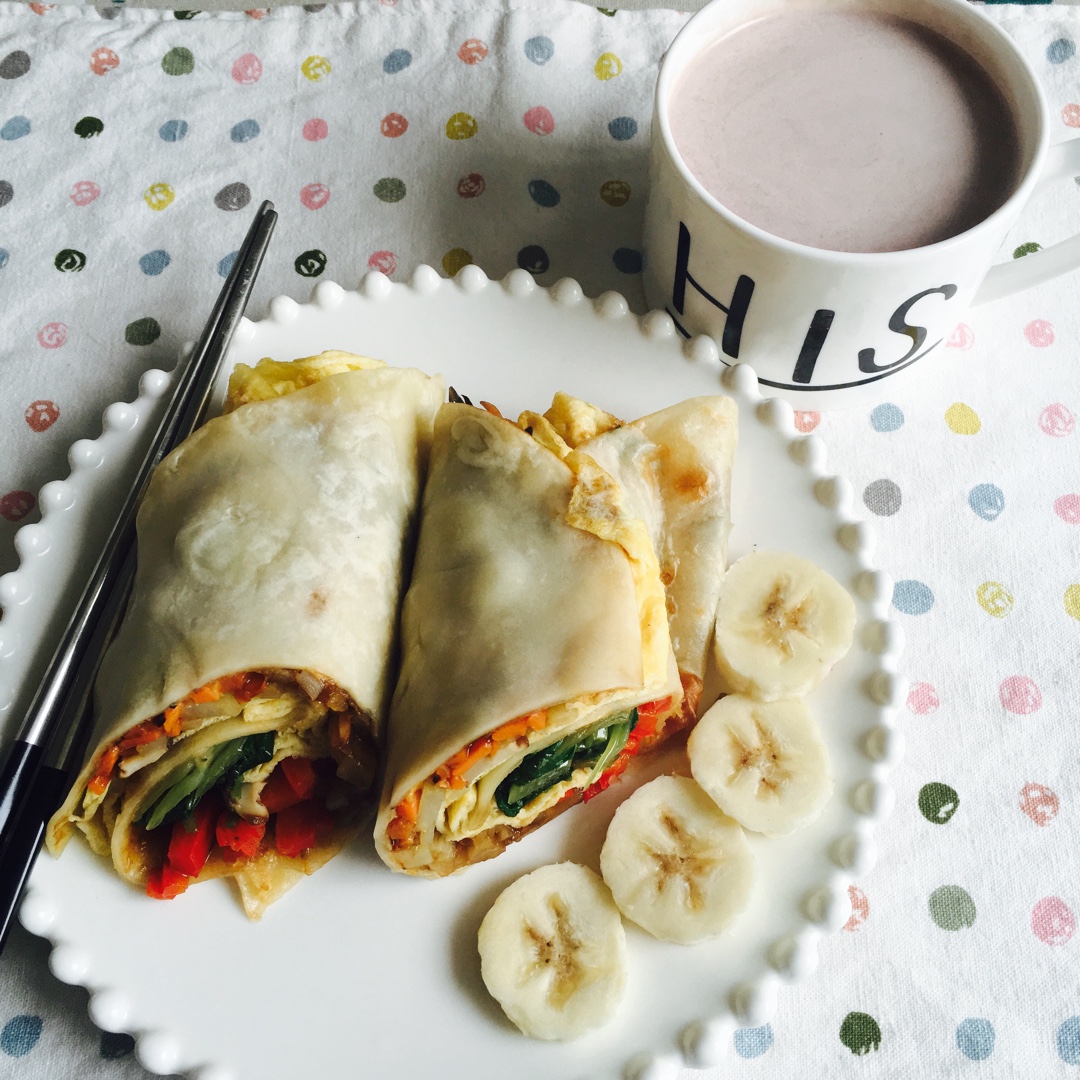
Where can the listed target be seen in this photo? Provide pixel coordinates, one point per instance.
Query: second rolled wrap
(536, 658)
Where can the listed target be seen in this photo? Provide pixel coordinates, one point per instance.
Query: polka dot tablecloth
(134, 146)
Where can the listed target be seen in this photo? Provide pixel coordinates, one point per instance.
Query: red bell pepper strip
(298, 827)
(192, 837)
(237, 835)
(278, 793)
(300, 772)
(166, 883)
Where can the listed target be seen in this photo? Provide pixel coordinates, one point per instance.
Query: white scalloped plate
(360, 971)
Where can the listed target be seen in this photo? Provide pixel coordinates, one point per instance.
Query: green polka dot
(938, 802)
(455, 259)
(860, 1033)
(185, 14)
(88, 127)
(69, 261)
(1026, 249)
(310, 263)
(390, 189)
(178, 61)
(142, 332)
(952, 908)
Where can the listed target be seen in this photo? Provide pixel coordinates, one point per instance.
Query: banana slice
(553, 952)
(781, 624)
(763, 763)
(675, 864)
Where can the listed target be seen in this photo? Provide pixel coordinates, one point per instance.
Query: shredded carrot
(210, 692)
(514, 729)
(99, 782)
(493, 409)
(452, 774)
(173, 715)
(402, 829)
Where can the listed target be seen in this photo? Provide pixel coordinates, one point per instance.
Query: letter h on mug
(802, 229)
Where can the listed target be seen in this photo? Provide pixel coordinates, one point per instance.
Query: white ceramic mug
(828, 328)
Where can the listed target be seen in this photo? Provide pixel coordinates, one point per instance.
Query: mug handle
(1062, 161)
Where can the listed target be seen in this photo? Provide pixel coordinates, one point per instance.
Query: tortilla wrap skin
(512, 608)
(274, 538)
(675, 467)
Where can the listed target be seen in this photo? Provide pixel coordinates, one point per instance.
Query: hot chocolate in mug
(839, 278)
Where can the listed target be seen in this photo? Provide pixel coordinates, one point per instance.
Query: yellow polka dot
(455, 259)
(316, 68)
(158, 196)
(962, 419)
(608, 66)
(994, 599)
(1072, 601)
(461, 126)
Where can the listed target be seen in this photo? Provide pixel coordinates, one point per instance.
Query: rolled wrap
(535, 611)
(271, 555)
(675, 469)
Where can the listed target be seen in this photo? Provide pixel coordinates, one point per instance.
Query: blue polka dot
(1068, 1041)
(887, 417)
(153, 262)
(20, 1035)
(539, 49)
(226, 263)
(543, 194)
(622, 128)
(627, 260)
(3, 258)
(753, 1042)
(245, 131)
(15, 128)
(912, 597)
(1057, 52)
(987, 500)
(173, 130)
(975, 1038)
(396, 61)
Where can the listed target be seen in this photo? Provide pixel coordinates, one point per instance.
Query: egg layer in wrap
(674, 467)
(535, 652)
(242, 703)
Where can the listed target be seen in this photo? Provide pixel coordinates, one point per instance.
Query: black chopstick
(58, 711)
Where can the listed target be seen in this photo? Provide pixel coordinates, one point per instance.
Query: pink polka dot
(1039, 333)
(257, 13)
(1019, 695)
(963, 337)
(922, 698)
(807, 421)
(393, 125)
(103, 60)
(1057, 420)
(472, 51)
(383, 261)
(1039, 803)
(1070, 115)
(247, 69)
(52, 335)
(539, 120)
(1068, 508)
(1052, 922)
(84, 192)
(316, 129)
(315, 196)
(860, 908)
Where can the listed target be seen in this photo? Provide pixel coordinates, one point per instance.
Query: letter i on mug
(830, 183)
